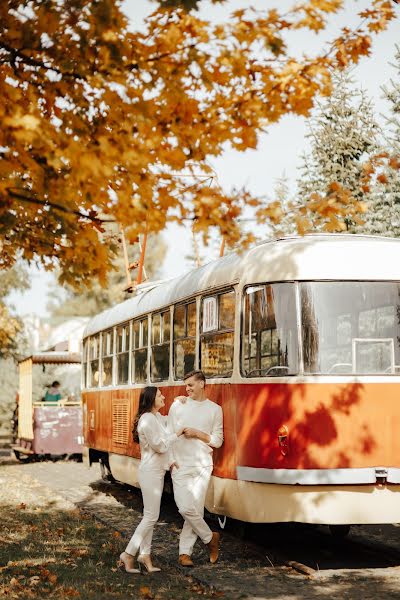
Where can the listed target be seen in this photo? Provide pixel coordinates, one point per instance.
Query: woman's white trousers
(151, 485)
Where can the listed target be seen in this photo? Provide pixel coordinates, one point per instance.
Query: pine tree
(343, 132)
(287, 225)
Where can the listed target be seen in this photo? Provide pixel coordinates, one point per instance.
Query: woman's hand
(180, 431)
(181, 399)
(174, 465)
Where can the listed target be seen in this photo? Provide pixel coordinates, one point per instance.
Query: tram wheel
(339, 532)
(22, 457)
(105, 470)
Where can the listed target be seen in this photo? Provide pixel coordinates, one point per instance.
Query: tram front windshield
(350, 327)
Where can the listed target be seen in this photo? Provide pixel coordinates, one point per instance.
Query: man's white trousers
(151, 485)
(190, 489)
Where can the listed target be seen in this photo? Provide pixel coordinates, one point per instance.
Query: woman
(53, 393)
(150, 429)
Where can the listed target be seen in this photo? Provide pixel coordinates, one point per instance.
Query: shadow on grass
(52, 553)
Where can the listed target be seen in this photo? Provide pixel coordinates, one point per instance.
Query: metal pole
(141, 260)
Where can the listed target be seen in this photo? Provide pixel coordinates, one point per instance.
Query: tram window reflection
(122, 354)
(216, 347)
(269, 345)
(160, 347)
(351, 327)
(184, 342)
(85, 358)
(139, 352)
(107, 358)
(94, 345)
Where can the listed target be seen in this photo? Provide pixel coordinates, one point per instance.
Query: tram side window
(269, 345)
(184, 339)
(217, 334)
(85, 348)
(160, 334)
(107, 358)
(139, 350)
(122, 354)
(350, 327)
(94, 346)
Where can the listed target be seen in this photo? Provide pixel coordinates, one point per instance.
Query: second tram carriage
(47, 428)
(299, 339)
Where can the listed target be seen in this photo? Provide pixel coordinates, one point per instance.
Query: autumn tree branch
(46, 203)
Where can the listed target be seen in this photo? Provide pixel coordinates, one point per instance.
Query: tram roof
(310, 257)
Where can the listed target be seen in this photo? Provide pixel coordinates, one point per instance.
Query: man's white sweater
(203, 415)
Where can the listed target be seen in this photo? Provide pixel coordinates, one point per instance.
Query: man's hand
(189, 432)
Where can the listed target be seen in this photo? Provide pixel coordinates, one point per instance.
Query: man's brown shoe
(185, 560)
(213, 547)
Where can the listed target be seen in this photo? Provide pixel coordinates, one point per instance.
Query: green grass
(49, 553)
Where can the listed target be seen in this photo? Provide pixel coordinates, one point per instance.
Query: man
(202, 423)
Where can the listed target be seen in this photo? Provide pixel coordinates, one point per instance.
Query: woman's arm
(158, 440)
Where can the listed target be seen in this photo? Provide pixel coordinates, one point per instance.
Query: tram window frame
(94, 357)
(185, 341)
(107, 352)
(139, 348)
(218, 331)
(160, 343)
(280, 369)
(122, 353)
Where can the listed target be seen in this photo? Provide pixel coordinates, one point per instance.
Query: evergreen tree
(287, 225)
(343, 133)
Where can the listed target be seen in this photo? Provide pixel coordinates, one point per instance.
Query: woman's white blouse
(156, 440)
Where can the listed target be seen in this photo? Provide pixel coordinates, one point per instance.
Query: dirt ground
(62, 531)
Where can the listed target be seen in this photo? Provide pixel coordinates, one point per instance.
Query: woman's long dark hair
(146, 403)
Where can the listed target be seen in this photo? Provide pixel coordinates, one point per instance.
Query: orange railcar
(300, 341)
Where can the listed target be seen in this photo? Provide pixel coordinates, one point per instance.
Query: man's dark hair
(199, 375)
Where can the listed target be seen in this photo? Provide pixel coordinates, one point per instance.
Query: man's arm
(216, 438)
(189, 432)
(217, 434)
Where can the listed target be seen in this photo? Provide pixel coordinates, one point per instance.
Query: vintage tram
(47, 428)
(300, 341)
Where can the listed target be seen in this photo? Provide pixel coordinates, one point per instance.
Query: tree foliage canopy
(102, 123)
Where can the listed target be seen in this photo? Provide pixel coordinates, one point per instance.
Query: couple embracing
(183, 442)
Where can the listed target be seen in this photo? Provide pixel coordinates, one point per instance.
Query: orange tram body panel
(311, 403)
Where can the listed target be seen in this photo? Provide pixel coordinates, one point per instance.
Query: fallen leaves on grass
(146, 592)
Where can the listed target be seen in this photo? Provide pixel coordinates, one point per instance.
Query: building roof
(53, 358)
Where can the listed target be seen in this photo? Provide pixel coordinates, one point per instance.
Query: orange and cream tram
(300, 341)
